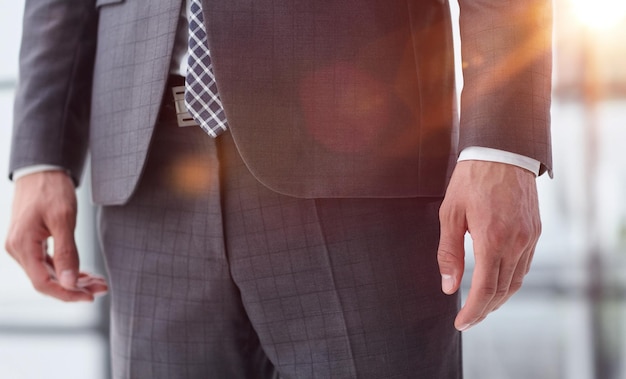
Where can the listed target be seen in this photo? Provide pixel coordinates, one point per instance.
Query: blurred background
(567, 322)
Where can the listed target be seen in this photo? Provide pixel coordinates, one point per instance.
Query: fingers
(39, 268)
(498, 203)
(65, 256)
(60, 221)
(498, 274)
(491, 287)
(482, 291)
(517, 278)
(45, 206)
(94, 284)
(89, 283)
(451, 251)
(65, 261)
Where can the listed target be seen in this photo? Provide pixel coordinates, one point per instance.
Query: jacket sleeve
(506, 48)
(52, 101)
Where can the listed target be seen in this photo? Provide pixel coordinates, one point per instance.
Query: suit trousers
(213, 275)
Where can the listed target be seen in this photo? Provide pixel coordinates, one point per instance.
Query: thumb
(451, 251)
(65, 257)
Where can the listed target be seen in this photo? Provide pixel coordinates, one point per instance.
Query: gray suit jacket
(324, 98)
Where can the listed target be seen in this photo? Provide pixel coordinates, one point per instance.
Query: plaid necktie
(201, 97)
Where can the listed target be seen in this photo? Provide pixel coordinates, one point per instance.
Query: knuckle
(60, 211)
(488, 291)
(14, 243)
(501, 292)
(498, 235)
(9, 244)
(443, 210)
(490, 259)
(525, 233)
(515, 287)
(530, 227)
(445, 255)
(447, 212)
(63, 253)
(40, 284)
(63, 213)
(538, 228)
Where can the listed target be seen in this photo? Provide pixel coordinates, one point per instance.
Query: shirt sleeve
(479, 153)
(21, 172)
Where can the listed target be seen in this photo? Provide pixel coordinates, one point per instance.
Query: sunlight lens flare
(600, 14)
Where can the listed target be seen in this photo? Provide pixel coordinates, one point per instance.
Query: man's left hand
(497, 204)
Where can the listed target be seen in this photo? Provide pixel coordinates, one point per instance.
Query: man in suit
(309, 239)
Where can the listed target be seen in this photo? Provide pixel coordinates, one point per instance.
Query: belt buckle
(183, 116)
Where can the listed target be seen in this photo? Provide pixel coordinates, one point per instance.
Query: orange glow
(600, 14)
(190, 178)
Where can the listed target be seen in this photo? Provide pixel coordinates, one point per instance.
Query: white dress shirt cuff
(21, 172)
(478, 153)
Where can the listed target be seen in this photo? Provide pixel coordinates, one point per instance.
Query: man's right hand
(44, 205)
